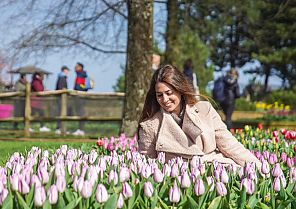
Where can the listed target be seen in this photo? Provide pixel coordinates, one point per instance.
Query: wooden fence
(105, 113)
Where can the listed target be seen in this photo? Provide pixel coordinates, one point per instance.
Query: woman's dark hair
(172, 76)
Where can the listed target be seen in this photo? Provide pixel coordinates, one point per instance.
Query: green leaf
(243, 198)
(29, 197)
(112, 202)
(68, 195)
(192, 202)
(61, 201)
(72, 204)
(263, 206)
(22, 201)
(284, 204)
(163, 205)
(252, 201)
(46, 205)
(215, 203)
(8, 203)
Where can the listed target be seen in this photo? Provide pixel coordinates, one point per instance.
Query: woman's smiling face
(168, 97)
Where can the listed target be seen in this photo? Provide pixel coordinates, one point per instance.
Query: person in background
(188, 71)
(37, 106)
(79, 102)
(62, 83)
(19, 110)
(231, 91)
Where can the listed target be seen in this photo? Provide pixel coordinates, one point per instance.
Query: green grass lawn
(7, 148)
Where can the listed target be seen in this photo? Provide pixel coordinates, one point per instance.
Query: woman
(174, 122)
(231, 91)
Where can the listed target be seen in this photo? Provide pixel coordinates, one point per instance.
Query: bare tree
(100, 26)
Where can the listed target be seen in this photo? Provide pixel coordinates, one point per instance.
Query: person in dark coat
(19, 109)
(37, 104)
(231, 91)
(62, 78)
(79, 102)
(62, 83)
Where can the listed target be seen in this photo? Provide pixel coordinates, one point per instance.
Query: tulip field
(113, 174)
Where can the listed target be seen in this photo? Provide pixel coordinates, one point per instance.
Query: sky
(104, 69)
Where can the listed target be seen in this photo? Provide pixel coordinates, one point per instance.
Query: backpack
(89, 83)
(218, 90)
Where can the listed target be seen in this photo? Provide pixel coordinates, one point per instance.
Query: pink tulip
(61, 183)
(166, 170)
(53, 194)
(92, 156)
(120, 201)
(35, 181)
(266, 155)
(127, 190)
(273, 159)
(174, 193)
(224, 176)
(290, 162)
(101, 194)
(148, 189)
(124, 174)
(249, 185)
(210, 182)
(265, 167)
(161, 157)
(276, 184)
(175, 171)
(199, 187)
(86, 189)
(3, 196)
(185, 180)
(39, 196)
(283, 157)
(146, 171)
(221, 189)
(43, 175)
(14, 181)
(113, 177)
(277, 171)
(275, 133)
(23, 186)
(158, 176)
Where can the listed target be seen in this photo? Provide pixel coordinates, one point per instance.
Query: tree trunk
(139, 62)
(267, 74)
(172, 31)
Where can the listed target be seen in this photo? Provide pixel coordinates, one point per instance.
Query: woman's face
(167, 97)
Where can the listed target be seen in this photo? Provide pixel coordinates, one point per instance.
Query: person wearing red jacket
(36, 103)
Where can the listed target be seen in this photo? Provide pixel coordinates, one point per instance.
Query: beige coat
(203, 133)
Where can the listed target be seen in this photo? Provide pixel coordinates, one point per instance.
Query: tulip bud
(273, 159)
(3, 196)
(224, 176)
(210, 182)
(23, 186)
(265, 167)
(124, 174)
(221, 189)
(277, 171)
(199, 187)
(161, 157)
(120, 201)
(113, 177)
(14, 181)
(53, 194)
(175, 171)
(158, 176)
(127, 190)
(166, 170)
(290, 162)
(174, 193)
(86, 189)
(43, 175)
(61, 183)
(185, 180)
(101, 193)
(283, 157)
(276, 184)
(39, 196)
(148, 189)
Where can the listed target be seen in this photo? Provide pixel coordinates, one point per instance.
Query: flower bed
(114, 175)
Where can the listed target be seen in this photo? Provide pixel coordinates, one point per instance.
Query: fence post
(63, 111)
(27, 110)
